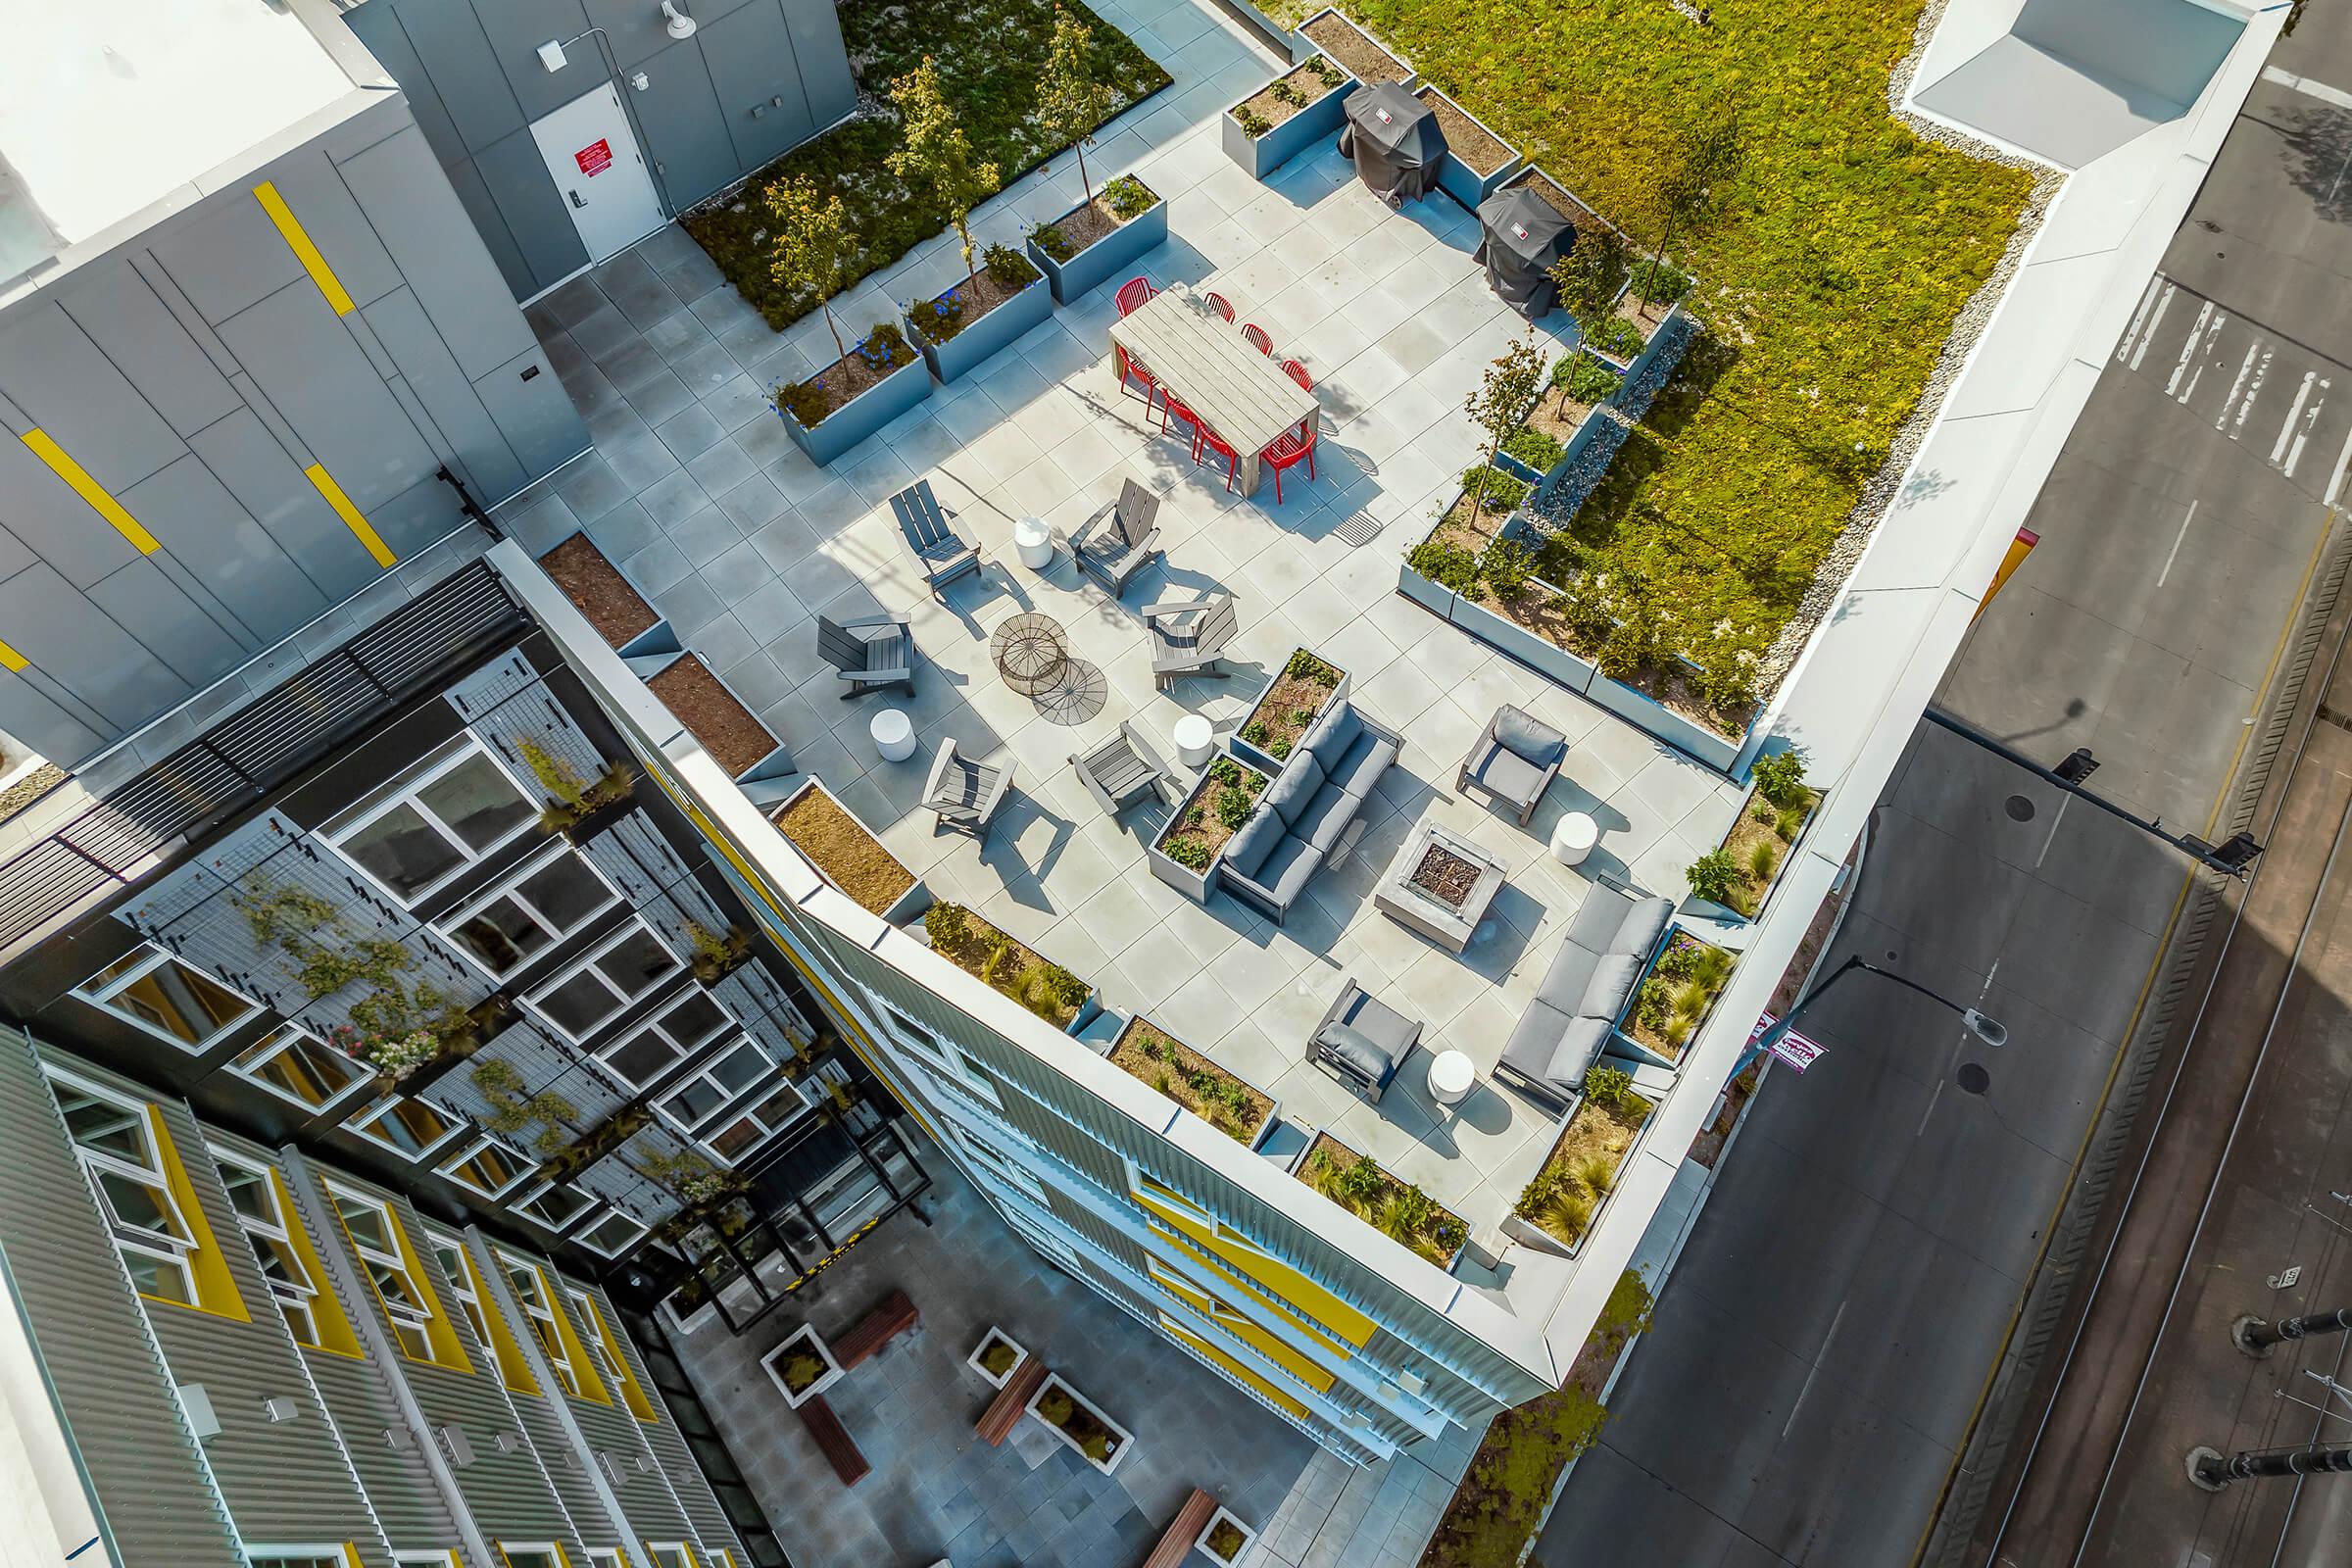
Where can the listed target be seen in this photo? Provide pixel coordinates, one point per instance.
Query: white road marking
(2147, 298)
(1816, 1372)
(2207, 320)
(1920, 1131)
(2160, 577)
(2262, 373)
(2335, 479)
(2059, 815)
(2221, 418)
(2163, 304)
(2295, 446)
(2308, 87)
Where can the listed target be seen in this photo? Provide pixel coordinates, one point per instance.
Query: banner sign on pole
(1791, 1047)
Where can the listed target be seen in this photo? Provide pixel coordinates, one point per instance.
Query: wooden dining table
(1195, 353)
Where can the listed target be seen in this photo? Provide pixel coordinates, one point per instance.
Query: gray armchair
(872, 654)
(944, 554)
(1120, 771)
(1189, 637)
(963, 794)
(1361, 1042)
(1514, 760)
(1114, 544)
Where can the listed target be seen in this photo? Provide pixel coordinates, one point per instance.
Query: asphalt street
(1820, 1353)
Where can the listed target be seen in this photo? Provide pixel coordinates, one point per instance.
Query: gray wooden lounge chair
(1513, 760)
(1120, 771)
(871, 654)
(1189, 637)
(965, 795)
(1361, 1042)
(1114, 544)
(944, 554)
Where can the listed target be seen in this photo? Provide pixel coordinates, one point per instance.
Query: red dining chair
(1286, 452)
(1207, 441)
(1297, 372)
(1134, 293)
(1132, 371)
(1221, 305)
(1255, 336)
(1172, 409)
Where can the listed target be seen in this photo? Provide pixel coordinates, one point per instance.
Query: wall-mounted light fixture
(551, 55)
(677, 22)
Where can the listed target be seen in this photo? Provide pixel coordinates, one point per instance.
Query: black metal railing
(259, 746)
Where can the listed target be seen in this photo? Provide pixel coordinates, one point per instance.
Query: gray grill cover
(1397, 157)
(1520, 236)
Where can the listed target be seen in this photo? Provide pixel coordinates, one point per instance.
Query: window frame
(586, 964)
(508, 887)
(520, 1208)
(371, 1258)
(275, 1044)
(279, 1230)
(156, 957)
(402, 790)
(579, 1237)
(304, 1556)
(447, 1169)
(461, 1283)
(542, 1308)
(551, 1556)
(363, 1126)
(748, 1111)
(729, 1098)
(177, 1252)
(686, 1051)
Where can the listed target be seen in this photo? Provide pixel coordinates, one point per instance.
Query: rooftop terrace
(739, 541)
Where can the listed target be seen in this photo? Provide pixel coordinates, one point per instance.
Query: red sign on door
(595, 158)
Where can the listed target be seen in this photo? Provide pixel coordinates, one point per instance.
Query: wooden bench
(1003, 1412)
(834, 1440)
(892, 1317)
(1191, 1520)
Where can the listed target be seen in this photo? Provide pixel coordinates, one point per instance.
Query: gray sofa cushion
(1295, 786)
(1247, 848)
(1579, 1048)
(1571, 972)
(1642, 925)
(1598, 919)
(1508, 774)
(1613, 977)
(1334, 730)
(1327, 816)
(1351, 1045)
(1527, 738)
(1535, 1040)
(1283, 875)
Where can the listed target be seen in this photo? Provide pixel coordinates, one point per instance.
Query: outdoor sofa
(1298, 820)
(1568, 1023)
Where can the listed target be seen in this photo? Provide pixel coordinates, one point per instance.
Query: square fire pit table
(1440, 884)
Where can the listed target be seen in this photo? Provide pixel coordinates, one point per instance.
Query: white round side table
(1452, 1077)
(894, 735)
(1196, 741)
(1573, 836)
(1035, 542)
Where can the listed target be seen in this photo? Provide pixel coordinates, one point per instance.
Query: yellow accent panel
(11, 660)
(1272, 1347)
(1279, 1278)
(1232, 1277)
(631, 1394)
(351, 1555)
(1192, 1296)
(449, 1351)
(1233, 1368)
(91, 491)
(298, 240)
(360, 528)
(592, 1387)
(336, 1334)
(216, 1288)
(512, 1370)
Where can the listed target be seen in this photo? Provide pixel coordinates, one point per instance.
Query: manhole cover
(2020, 808)
(1974, 1078)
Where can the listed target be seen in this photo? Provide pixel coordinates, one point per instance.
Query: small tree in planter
(1683, 190)
(934, 151)
(1500, 401)
(814, 249)
(1071, 100)
(1589, 277)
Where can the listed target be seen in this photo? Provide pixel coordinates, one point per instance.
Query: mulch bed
(1745, 834)
(1468, 525)
(1272, 110)
(1083, 226)
(615, 608)
(850, 376)
(1465, 138)
(1177, 1060)
(1365, 60)
(1197, 817)
(980, 295)
(1558, 415)
(1287, 696)
(1555, 196)
(1646, 322)
(1444, 875)
(844, 850)
(729, 731)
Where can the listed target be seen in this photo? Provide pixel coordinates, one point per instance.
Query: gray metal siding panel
(449, 42)
(517, 28)
(516, 177)
(227, 256)
(88, 1326)
(473, 194)
(247, 459)
(433, 373)
(51, 370)
(534, 412)
(315, 193)
(41, 723)
(42, 513)
(216, 539)
(685, 131)
(134, 329)
(171, 625)
(825, 62)
(378, 27)
(57, 629)
(437, 251)
(752, 65)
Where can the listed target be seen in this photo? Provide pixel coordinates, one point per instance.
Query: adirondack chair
(962, 794)
(944, 554)
(1120, 771)
(1114, 544)
(1189, 637)
(871, 654)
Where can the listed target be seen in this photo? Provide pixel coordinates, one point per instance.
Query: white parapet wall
(1857, 691)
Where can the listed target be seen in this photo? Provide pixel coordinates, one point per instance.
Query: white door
(598, 168)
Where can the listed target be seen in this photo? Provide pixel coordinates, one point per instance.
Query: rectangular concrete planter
(986, 337)
(1257, 757)
(1124, 1439)
(1302, 45)
(1020, 1353)
(869, 411)
(1718, 752)
(1659, 337)
(1226, 1516)
(1260, 155)
(803, 1338)
(1506, 635)
(907, 906)
(1458, 179)
(1193, 885)
(1115, 253)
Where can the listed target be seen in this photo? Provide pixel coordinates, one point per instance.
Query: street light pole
(2255, 1337)
(2210, 1469)
(1989, 1030)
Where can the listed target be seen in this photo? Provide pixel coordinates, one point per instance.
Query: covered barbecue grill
(1521, 235)
(1394, 140)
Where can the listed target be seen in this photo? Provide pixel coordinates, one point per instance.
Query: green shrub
(1305, 665)
(1255, 732)
(947, 926)
(1712, 877)
(1232, 807)
(1285, 93)
(1506, 568)
(1493, 489)
(1449, 567)
(1010, 268)
(1189, 852)
(1789, 824)
(1616, 336)
(1779, 777)
(1763, 859)
(1609, 1088)
(1129, 197)
(1330, 74)
(1586, 381)
(1254, 124)
(1594, 1173)
(1534, 448)
(1659, 282)
(1279, 747)
(1226, 772)
(1050, 238)
(1651, 1003)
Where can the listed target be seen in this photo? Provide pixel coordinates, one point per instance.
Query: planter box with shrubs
(980, 318)
(1674, 999)
(1282, 119)
(1186, 852)
(1012, 968)
(1399, 1210)
(1227, 1102)
(1097, 1439)
(996, 1357)
(1556, 1211)
(880, 378)
(1357, 52)
(1088, 246)
(1738, 875)
(1561, 423)
(1226, 1540)
(1477, 160)
(802, 1367)
(846, 853)
(1285, 710)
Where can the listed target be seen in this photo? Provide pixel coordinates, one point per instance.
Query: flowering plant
(397, 1054)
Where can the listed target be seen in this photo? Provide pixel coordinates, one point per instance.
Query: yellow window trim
(1234, 1368)
(91, 491)
(351, 1555)
(556, 1546)
(1290, 1311)
(449, 1351)
(353, 518)
(514, 1369)
(1303, 1295)
(217, 1290)
(298, 240)
(632, 1394)
(592, 1387)
(336, 1334)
